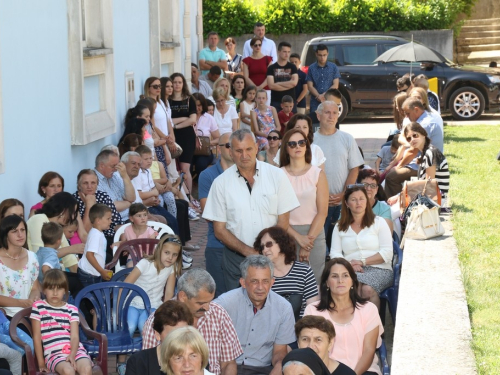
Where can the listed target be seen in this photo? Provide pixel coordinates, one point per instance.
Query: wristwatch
(363, 262)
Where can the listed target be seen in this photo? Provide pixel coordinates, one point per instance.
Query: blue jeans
(332, 217)
(87, 279)
(171, 220)
(136, 318)
(213, 264)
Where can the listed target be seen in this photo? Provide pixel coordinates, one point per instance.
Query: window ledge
(93, 52)
(169, 45)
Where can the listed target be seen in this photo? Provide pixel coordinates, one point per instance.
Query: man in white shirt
(268, 46)
(248, 197)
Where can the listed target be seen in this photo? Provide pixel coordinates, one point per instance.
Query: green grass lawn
(475, 194)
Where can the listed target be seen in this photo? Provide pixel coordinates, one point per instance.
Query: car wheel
(343, 109)
(466, 103)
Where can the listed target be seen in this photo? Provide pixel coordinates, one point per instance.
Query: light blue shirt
(208, 55)
(433, 128)
(47, 256)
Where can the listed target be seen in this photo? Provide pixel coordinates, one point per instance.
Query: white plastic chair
(159, 227)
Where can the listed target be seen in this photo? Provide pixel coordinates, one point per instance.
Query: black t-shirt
(144, 362)
(282, 74)
(343, 370)
(182, 108)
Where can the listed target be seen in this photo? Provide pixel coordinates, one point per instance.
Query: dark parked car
(466, 91)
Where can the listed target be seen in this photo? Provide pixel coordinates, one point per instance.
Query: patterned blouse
(102, 197)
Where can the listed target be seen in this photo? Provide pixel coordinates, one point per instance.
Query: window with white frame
(2, 152)
(91, 69)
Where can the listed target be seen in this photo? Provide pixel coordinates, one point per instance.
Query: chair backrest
(160, 228)
(119, 232)
(111, 302)
(397, 261)
(121, 275)
(138, 249)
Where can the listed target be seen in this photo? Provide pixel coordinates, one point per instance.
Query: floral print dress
(18, 283)
(265, 120)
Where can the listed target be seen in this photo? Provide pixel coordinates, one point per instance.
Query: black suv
(466, 91)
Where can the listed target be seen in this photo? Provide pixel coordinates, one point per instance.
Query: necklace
(299, 173)
(11, 257)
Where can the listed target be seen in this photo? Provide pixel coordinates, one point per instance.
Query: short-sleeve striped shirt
(435, 157)
(55, 328)
(300, 280)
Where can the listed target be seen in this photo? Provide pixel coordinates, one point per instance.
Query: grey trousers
(254, 370)
(231, 268)
(317, 254)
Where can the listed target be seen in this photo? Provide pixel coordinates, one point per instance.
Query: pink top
(305, 188)
(348, 346)
(130, 234)
(206, 125)
(37, 206)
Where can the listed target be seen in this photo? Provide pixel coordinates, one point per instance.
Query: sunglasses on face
(415, 135)
(273, 138)
(268, 244)
(156, 87)
(293, 144)
(257, 45)
(371, 186)
(226, 145)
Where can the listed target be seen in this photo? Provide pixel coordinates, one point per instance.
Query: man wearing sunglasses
(248, 197)
(214, 248)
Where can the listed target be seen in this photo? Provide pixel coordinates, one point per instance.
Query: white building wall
(34, 93)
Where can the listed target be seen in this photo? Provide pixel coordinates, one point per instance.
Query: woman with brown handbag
(208, 135)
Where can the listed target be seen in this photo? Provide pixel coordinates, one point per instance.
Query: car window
(311, 55)
(359, 54)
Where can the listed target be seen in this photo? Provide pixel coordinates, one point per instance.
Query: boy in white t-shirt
(91, 266)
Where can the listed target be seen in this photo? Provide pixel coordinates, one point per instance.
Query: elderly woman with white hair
(184, 351)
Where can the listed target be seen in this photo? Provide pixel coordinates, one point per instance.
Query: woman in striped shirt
(293, 280)
(432, 162)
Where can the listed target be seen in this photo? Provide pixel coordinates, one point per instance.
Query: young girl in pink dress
(55, 330)
(264, 119)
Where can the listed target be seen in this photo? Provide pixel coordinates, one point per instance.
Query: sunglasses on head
(272, 138)
(414, 135)
(301, 143)
(268, 244)
(226, 145)
(156, 87)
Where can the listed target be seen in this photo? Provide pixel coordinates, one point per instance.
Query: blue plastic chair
(382, 351)
(121, 275)
(391, 294)
(111, 302)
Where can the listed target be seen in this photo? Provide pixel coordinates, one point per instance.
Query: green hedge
(236, 17)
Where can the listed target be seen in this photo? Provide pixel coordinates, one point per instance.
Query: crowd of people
(299, 234)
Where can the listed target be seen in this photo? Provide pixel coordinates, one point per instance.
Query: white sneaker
(186, 266)
(186, 257)
(192, 215)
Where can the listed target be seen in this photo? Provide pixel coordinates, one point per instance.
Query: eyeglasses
(301, 143)
(371, 186)
(414, 135)
(156, 87)
(226, 145)
(257, 45)
(354, 186)
(268, 244)
(273, 138)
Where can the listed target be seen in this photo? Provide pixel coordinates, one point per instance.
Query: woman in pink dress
(356, 321)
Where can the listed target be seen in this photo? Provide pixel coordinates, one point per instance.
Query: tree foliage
(237, 17)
